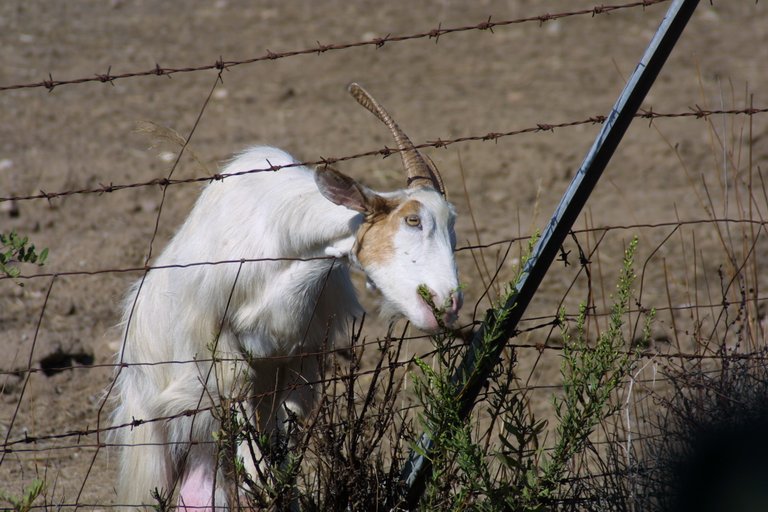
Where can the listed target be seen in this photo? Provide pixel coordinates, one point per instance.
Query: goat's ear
(340, 189)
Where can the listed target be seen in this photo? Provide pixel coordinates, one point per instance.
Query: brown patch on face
(410, 207)
(376, 237)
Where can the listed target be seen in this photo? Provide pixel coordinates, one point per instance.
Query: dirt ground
(468, 83)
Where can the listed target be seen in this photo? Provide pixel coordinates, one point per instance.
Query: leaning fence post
(477, 363)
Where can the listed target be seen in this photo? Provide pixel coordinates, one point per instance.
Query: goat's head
(406, 242)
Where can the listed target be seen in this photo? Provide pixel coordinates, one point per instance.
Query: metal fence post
(477, 365)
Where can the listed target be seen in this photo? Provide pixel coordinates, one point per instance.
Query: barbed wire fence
(737, 309)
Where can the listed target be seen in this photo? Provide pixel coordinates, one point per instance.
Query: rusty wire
(14, 446)
(377, 42)
(696, 112)
(8, 445)
(549, 321)
(471, 247)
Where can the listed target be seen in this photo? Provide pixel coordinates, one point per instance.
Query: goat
(267, 316)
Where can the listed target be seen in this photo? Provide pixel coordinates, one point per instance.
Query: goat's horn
(420, 172)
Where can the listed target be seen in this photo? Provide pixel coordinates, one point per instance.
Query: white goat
(270, 317)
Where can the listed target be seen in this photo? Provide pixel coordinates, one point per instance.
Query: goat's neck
(322, 229)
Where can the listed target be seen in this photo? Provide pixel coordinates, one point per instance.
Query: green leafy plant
(591, 375)
(15, 248)
(516, 473)
(24, 503)
(163, 500)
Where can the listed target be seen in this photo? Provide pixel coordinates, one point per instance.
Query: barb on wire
(377, 42)
(548, 321)
(21, 444)
(472, 247)
(384, 152)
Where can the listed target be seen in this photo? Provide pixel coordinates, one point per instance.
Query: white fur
(271, 313)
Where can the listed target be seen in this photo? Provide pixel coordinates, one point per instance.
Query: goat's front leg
(295, 395)
(300, 393)
(279, 411)
(300, 383)
(294, 399)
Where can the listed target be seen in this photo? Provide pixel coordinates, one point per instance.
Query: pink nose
(452, 314)
(457, 300)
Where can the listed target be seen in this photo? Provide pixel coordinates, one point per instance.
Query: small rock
(553, 27)
(11, 208)
(148, 206)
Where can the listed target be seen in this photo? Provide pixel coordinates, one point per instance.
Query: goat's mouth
(436, 316)
(428, 317)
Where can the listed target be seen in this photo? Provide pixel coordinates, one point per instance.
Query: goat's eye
(413, 220)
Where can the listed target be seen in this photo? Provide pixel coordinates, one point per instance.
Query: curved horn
(421, 173)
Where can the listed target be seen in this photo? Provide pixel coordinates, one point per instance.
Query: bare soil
(463, 84)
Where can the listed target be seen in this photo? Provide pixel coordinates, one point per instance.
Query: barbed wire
(8, 445)
(378, 342)
(696, 112)
(470, 247)
(41, 443)
(757, 356)
(377, 42)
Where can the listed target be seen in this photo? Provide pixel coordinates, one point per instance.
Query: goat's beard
(392, 313)
(389, 311)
